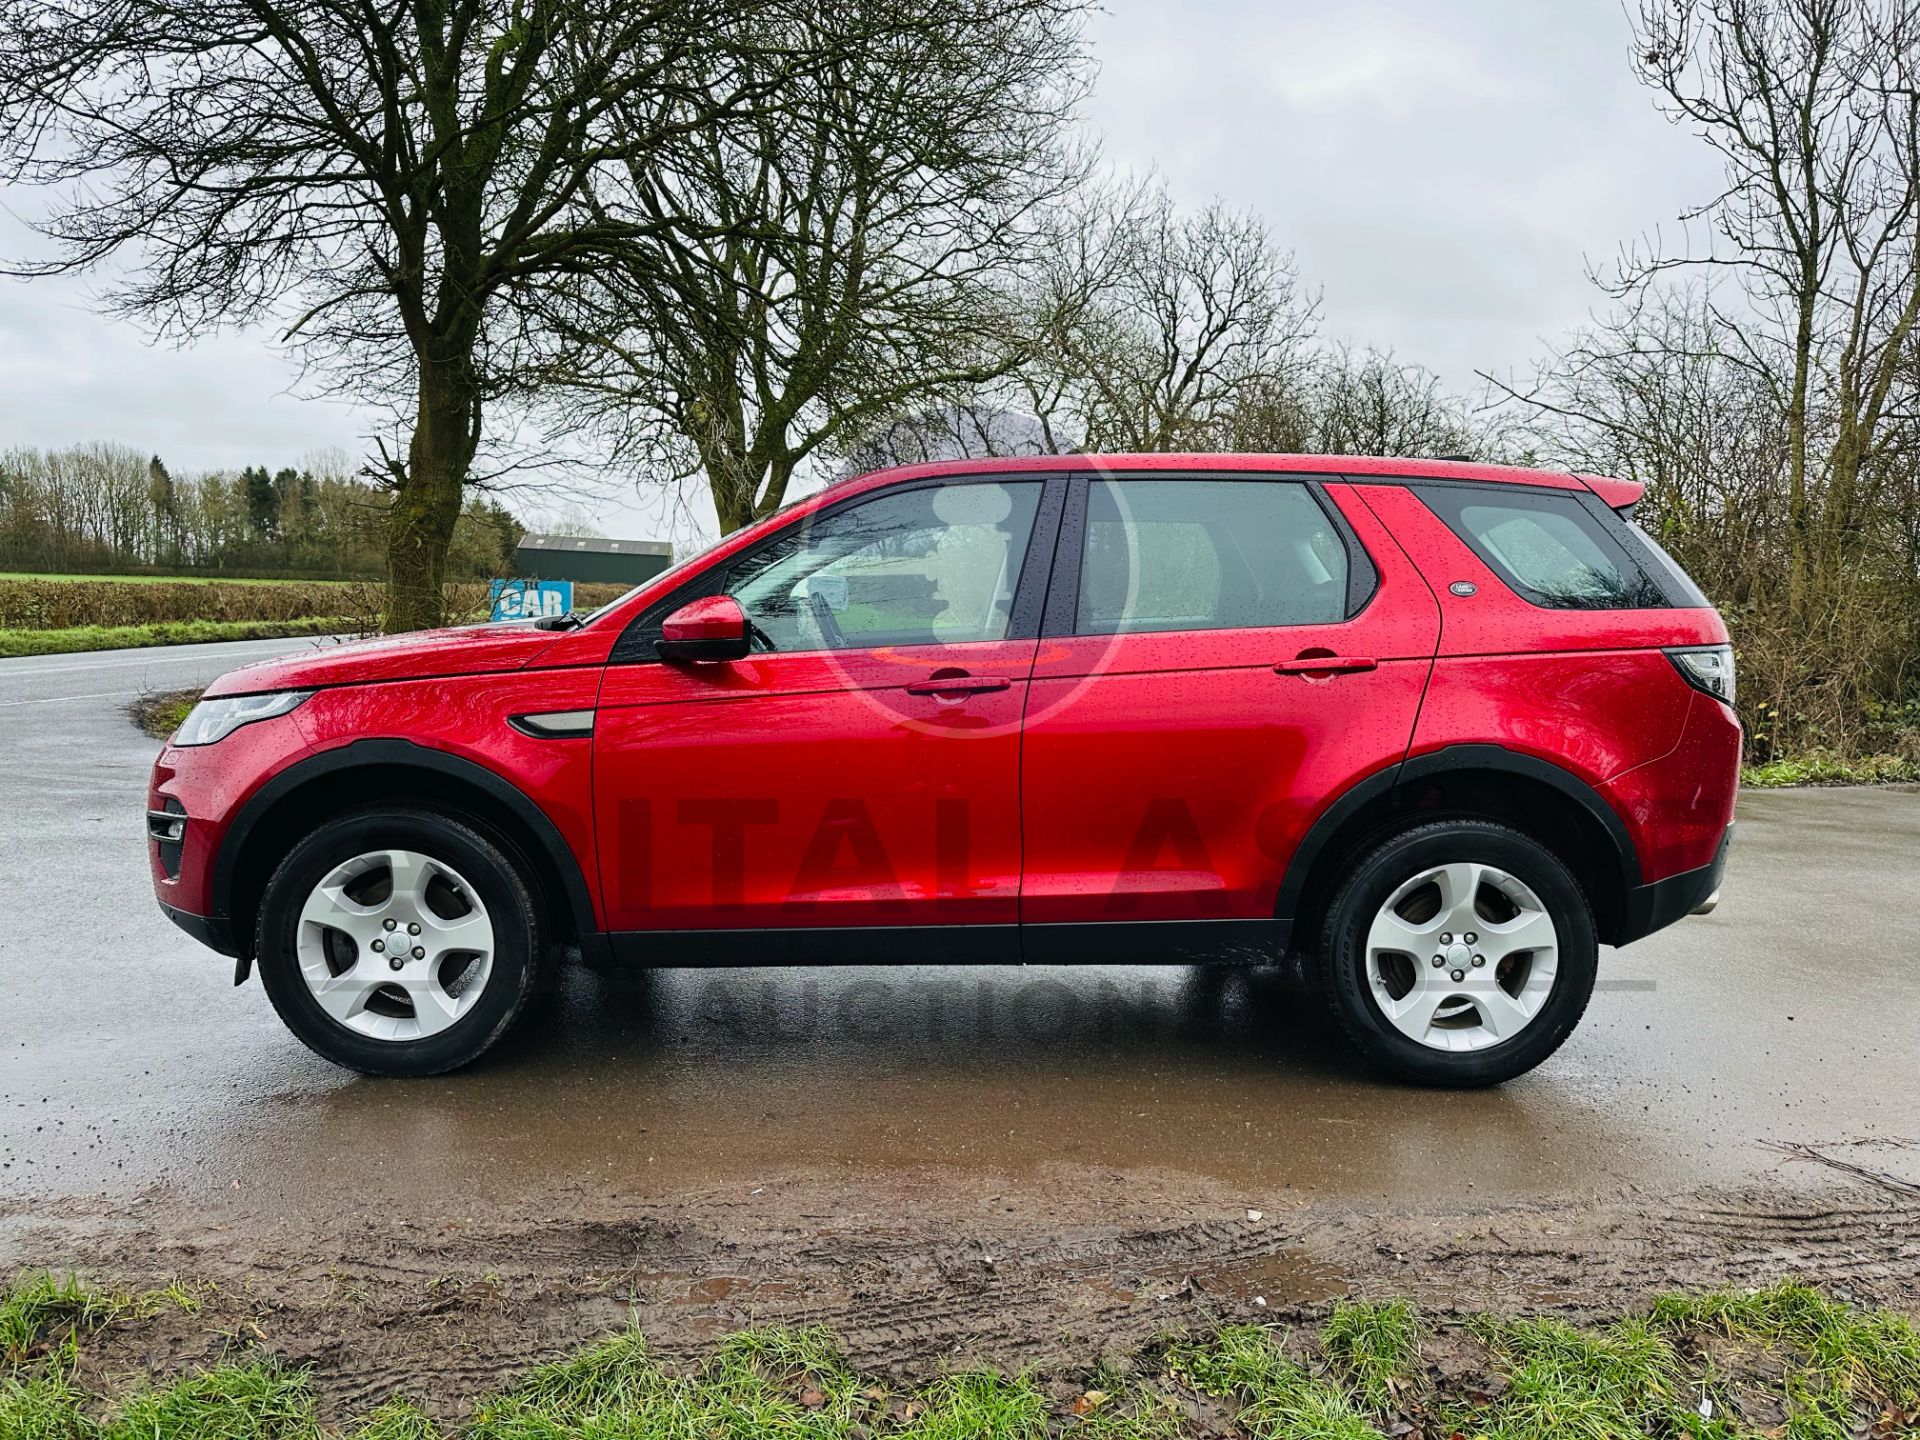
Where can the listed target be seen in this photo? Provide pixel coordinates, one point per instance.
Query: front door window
(933, 566)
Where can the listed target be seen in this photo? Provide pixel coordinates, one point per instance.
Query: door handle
(1326, 665)
(958, 685)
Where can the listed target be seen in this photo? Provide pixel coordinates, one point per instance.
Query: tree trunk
(1799, 504)
(427, 503)
(729, 480)
(773, 490)
(734, 510)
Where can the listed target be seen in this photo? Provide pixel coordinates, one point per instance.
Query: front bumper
(1692, 892)
(180, 848)
(192, 797)
(213, 931)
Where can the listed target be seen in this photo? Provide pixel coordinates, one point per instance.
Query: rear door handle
(1326, 665)
(959, 685)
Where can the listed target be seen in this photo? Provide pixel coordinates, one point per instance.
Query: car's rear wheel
(398, 942)
(1459, 953)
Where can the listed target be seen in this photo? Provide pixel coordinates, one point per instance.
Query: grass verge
(1786, 1361)
(42, 1311)
(176, 632)
(159, 713)
(1824, 769)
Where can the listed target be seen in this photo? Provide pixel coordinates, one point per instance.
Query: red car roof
(1617, 493)
(1303, 464)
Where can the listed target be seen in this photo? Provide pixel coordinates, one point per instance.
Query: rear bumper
(1656, 906)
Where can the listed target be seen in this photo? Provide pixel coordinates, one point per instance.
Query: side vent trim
(554, 724)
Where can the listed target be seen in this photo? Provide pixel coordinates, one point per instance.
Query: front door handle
(1326, 665)
(957, 685)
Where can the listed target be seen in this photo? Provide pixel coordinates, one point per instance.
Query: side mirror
(713, 627)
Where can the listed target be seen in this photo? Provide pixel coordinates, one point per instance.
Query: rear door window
(1550, 548)
(1208, 555)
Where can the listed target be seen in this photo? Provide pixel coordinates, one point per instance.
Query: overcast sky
(1442, 169)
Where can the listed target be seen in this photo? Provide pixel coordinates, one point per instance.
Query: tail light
(1705, 667)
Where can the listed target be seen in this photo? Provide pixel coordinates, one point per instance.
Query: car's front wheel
(397, 942)
(1459, 953)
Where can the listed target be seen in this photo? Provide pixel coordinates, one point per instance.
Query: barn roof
(595, 544)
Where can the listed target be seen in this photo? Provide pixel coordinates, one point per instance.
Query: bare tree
(1814, 109)
(571, 520)
(870, 221)
(1660, 392)
(1665, 391)
(388, 183)
(976, 428)
(1168, 331)
(1342, 401)
(1158, 323)
(1762, 380)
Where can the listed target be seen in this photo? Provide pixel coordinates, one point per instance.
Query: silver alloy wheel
(395, 945)
(1462, 956)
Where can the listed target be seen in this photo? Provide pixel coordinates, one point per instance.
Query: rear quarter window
(1555, 550)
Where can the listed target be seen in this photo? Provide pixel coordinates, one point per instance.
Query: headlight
(213, 720)
(1706, 667)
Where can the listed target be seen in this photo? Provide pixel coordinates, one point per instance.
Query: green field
(174, 579)
(176, 632)
(61, 613)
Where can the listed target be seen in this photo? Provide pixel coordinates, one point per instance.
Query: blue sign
(530, 599)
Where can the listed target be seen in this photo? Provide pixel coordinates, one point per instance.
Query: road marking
(15, 667)
(56, 699)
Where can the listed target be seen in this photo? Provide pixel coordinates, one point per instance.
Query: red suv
(1442, 728)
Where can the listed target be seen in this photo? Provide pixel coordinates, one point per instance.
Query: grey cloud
(1443, 172)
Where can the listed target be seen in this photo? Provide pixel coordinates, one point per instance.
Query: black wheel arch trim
(1451, 759)
(404, 754)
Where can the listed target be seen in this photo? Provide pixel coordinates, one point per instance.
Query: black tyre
(1459, 953)
(398, 942)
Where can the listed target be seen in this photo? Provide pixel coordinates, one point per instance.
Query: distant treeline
(109, 509)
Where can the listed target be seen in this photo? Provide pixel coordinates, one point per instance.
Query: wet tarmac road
(129, 1066)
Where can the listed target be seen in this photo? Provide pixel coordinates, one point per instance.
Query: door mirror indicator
(713, 627)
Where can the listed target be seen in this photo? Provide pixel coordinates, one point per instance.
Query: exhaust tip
(1705, 907)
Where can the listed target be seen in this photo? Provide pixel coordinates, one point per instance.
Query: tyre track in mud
(446, 1311)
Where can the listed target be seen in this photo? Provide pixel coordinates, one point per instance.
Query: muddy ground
(912, 1275)
(1031, 1165)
